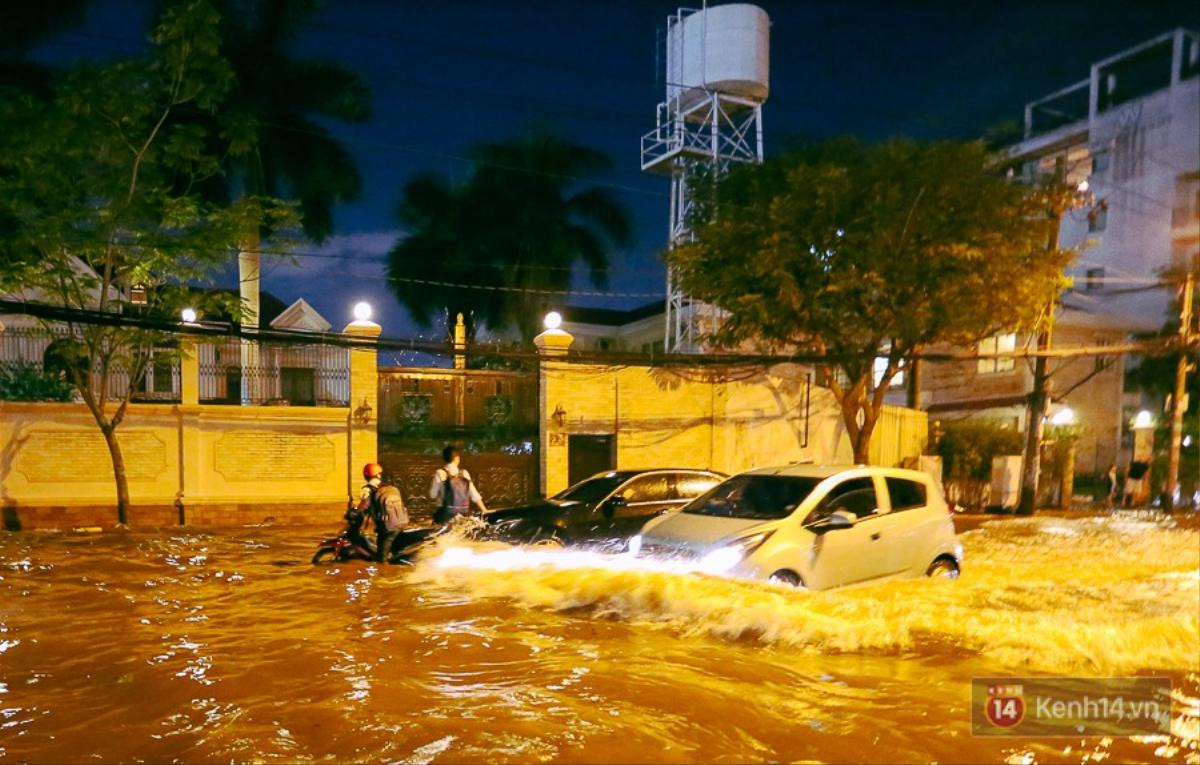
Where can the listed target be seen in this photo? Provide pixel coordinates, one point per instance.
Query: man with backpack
(386, 508)
(452, 489)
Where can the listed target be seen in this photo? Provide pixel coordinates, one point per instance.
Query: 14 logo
(1005, 705)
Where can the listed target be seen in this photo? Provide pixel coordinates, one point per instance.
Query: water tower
(716, 77)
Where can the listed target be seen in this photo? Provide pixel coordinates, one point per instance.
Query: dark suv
(610, 506)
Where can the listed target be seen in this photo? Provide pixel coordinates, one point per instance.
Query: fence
(232, 371)
(41, 355)
(249, 372)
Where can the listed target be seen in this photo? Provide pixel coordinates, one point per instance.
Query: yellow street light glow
(1143, 420)
(553, 320)
(1083, 186)
(1064, 416)
(188, 315)
(362, 311)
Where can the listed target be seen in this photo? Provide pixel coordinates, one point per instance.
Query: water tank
(722, 48)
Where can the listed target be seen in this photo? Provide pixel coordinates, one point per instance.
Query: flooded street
(198, 646)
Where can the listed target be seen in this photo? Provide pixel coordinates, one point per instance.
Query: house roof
(269, 306)
(301, 316)
(610, 317)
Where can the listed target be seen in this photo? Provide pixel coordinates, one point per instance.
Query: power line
(61, 314)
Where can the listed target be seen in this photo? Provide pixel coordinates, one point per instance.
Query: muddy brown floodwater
(200, 647)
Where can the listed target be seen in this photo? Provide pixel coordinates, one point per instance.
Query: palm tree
(522, 221)
(276, 148)
(273, 145)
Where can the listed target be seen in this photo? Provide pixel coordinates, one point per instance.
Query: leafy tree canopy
(98, 194)
(858, 251)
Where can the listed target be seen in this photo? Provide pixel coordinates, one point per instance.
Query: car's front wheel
(942, 568)
(783, 576)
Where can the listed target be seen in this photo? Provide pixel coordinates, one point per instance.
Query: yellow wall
(700, 418)
(52, 455)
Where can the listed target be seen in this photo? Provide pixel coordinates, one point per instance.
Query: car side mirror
(840, 519)
(612, 503)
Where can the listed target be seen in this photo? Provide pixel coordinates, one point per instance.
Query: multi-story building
(1129, 135)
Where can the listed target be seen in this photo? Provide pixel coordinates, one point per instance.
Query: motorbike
(344, 546)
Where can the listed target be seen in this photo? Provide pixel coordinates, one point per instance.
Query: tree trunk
(1033, 435)
(118, 465)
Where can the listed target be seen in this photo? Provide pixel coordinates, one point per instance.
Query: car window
(856, 496)
(692, 485)
(648, 488)
(905, 494)
(593, 489)
(763, 497)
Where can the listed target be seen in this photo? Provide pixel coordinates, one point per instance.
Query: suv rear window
(905, 494)
(764, 497)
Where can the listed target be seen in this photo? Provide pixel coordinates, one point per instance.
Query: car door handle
(875, 536)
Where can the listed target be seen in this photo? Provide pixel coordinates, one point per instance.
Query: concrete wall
(193, 464)
(199, 465)
(701, 418)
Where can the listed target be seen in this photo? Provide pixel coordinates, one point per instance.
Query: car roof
(808, 470)
(627, 474)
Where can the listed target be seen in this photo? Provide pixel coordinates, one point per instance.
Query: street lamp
(1143, 420)
(552, 321)
(362, 311)
(188, 315)
(1064, 416)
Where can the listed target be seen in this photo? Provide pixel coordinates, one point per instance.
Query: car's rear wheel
(546, 539)
(942, 568)
(783, 576)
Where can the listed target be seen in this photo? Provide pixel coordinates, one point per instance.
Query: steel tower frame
(696, 137)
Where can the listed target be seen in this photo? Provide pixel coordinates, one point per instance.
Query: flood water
(201, 647)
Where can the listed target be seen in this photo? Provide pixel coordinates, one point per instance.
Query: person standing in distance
(452, 489)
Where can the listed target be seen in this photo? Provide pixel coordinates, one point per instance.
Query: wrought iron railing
(237, 371)
(46, 352)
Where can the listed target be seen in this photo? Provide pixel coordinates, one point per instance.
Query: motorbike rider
(452, 489)
(386, 508)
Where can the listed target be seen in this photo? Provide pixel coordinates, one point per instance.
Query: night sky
(447, 74)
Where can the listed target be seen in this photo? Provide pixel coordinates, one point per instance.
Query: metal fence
(232, 370)
(38, 354)
(235, 371)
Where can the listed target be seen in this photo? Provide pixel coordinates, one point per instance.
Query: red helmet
(372, 470)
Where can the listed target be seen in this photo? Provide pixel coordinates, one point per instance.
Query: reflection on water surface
(202, 646)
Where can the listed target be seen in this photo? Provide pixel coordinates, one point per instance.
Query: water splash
(1048, 595)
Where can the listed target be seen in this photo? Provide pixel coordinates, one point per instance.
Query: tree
(861, 252)
(522, 221)
(98, 182)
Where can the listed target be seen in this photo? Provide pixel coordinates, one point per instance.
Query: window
(856, 496)
(997, 344)
(1098, 218)
(592, 489)
(905, 494)
(298, 385)
(1095, 279)
(648, 488)
(1100, 162)
(761, 497)
(604, 344)
(690, 486)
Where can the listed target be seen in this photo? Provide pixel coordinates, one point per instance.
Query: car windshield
(593, 489)
(764, 497)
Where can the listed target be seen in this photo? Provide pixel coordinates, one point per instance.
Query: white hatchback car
(817, 526)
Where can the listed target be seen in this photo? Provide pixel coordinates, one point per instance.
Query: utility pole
(1035, 427)
(1039, 397)
(1178, 403)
